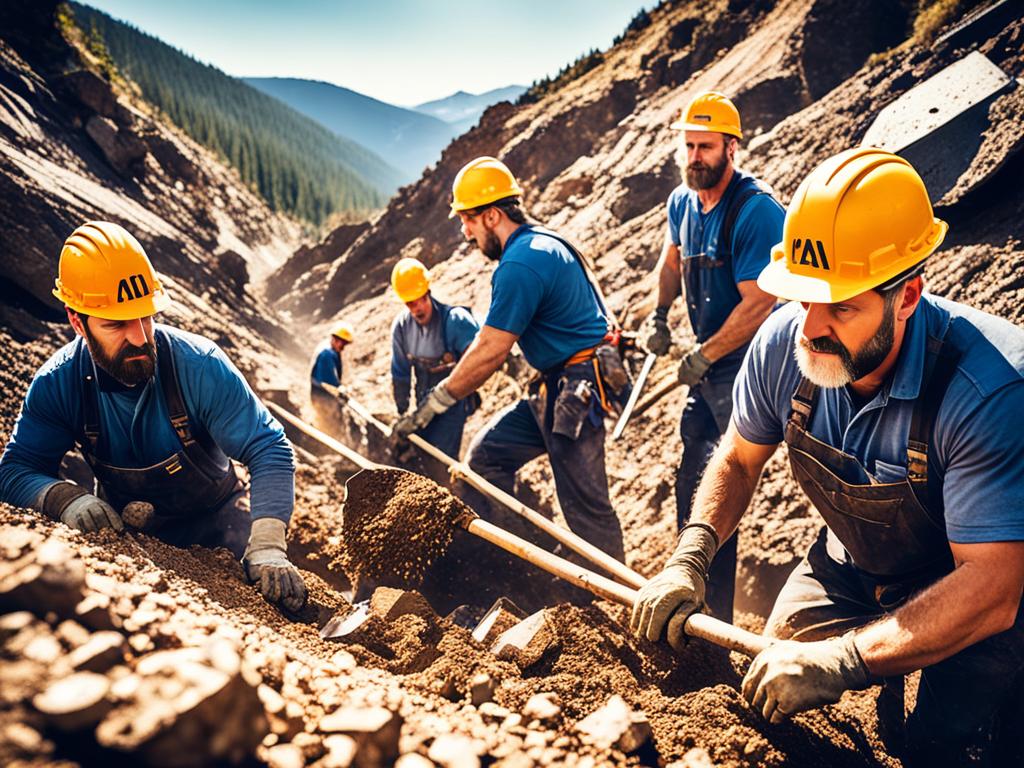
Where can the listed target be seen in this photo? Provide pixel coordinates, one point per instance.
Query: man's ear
(76, 322)
(911, 298)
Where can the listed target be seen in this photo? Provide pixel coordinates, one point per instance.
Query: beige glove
(76, 507)
(671, 596)
(266, 561)
(789, 677)
(436, 402)
(693, 366)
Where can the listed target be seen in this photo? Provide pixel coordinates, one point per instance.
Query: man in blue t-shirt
(901, 415)
(541, 297)
(722, 224)
(428, 339)
(325, 390)
(158, 414)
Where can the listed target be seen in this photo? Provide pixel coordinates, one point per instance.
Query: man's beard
(842, 368)
(701, 176)
(129, 372)
(491, 247)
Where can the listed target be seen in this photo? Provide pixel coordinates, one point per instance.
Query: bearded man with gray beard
(901, 415)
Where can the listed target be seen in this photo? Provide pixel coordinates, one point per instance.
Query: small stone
(615, 724)
(527, 642)
(491, 711)
(141, 643)
(74, 702)
(311, 744)
(543, 706)
(341, 751)
(481, 688)
(344, 661)
(71, 634)
(453, 750)
(285, 756)
(99, 653)
(24, 738)
(697, 757)
(375, 730)
(94, 612)
(44, 649)
(12, 623)
(413, 760)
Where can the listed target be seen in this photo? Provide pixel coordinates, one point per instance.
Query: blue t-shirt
(135, 431)
(978, 438)
(540, 293)
(326, 366)
(757, 229)
(430, 341)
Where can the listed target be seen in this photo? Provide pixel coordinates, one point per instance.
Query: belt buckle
(174, 466)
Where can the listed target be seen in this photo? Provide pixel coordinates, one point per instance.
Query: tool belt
(613, 378)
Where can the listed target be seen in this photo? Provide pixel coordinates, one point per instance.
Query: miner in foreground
(900, 413)
(158, 414)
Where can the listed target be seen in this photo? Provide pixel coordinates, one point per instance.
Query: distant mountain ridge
(407, 139)
(296, 164)
(463, 110)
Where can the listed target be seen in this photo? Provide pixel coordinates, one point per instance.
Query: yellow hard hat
(860, 219)
(410, 280)
(710, 111)
(105, 272)
(482, 181)
(344, 332)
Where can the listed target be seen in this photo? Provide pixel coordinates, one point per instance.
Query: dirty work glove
(434, 404)
(342, 395)
(266, 561)
(789, 676)
(676, 592)
(693, 366)
(660, 338)
(76, 507)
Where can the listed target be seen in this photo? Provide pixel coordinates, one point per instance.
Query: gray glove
(266, 561)
(660, 338)
(434, 404)
(76, 507)
(676, 592)
(789, 676)
(693, 366)
(342, 395)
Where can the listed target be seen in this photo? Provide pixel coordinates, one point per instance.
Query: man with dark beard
(902, 416)
(542, 297)
(722, 224)
(158, 414)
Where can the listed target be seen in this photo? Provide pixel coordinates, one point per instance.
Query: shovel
(580, 546)
(697, 625)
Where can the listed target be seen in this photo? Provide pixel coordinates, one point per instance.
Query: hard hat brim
(158, 302)
(682, 125)
(777, 280)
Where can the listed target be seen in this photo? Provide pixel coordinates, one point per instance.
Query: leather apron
(196, 480)
(894, 532)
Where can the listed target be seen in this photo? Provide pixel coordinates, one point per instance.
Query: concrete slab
(938, 125)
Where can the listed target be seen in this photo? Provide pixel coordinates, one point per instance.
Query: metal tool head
(342, 624)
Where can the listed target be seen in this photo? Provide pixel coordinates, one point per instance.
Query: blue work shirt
(326, 366)
(540, 293)
(428, 342)
(135, 430)
(757, 229)
(978, 439)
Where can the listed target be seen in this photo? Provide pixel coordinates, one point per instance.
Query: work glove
(660, 338)
(671, 596)
(693, 366)
(342, 395)
(266, 561)
(76, 507)
(789, 676)
(434, 404)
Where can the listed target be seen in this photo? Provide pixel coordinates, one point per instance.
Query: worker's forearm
(724, 492)
(739, 327)
(959, 610)
(482, 358)
(669, 283)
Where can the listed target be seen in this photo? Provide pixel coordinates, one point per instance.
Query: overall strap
(941, 363)
(735, 204)
(584, 265)
(90, 402)
(804, 398)
(171, 390)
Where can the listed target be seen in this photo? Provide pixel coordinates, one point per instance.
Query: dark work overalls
(895, 545)
(196, 495)
(711, 296)
(443, 431)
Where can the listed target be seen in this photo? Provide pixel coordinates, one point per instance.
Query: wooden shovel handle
(698, 625)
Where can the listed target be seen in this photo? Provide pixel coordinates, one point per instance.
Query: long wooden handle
(578, 545)
(656, 394)
(356, 458)
(698, 625)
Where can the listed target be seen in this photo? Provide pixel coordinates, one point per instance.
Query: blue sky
(402, 51)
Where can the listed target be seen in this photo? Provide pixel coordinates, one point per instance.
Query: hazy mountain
(463, 110)
(296, 164)
(407, 139)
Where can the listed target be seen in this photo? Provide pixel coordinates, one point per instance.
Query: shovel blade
(343, 624)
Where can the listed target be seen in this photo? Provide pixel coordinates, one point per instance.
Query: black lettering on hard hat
(703, 118)
(794, 249)
(809, 257)
(136, 290)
